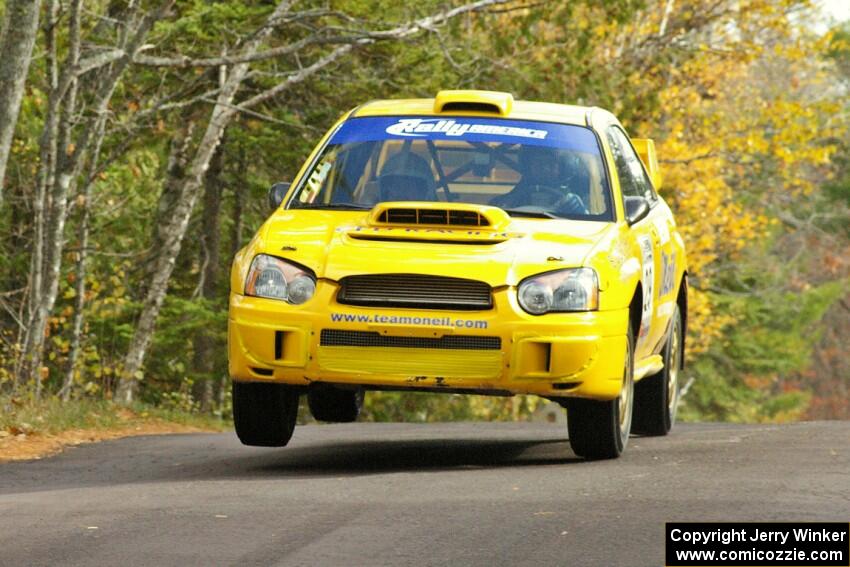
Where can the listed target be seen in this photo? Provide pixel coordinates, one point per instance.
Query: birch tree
(17, 38)
(63, 157)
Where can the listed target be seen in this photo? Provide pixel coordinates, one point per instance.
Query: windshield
(526, 168)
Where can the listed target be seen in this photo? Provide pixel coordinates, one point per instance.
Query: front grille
(334, 337)
(445, 217)
(412, 290)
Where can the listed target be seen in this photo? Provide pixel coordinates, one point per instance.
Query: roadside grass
(51, 416)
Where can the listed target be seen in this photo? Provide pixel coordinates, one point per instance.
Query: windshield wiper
(531, 214)
(332, 206)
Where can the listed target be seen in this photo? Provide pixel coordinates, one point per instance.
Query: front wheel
(264, 414)
(600, 430)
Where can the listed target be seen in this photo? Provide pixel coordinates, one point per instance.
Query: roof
(476, 103)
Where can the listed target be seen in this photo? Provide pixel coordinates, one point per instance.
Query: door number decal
(647, 279)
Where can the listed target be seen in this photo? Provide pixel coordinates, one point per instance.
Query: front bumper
(558, 354)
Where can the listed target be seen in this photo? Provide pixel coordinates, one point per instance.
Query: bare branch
(259, 115)
(400, 32)
(185, 61)
(344, 36)
(97, 61)
(297, 77)
(12, 292)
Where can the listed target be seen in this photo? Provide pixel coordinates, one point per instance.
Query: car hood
(335, 244)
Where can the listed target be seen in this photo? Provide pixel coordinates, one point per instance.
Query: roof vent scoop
(490, 102)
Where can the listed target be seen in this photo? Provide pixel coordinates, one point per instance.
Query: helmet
(407, 177)
(575, 174)
(539, 163)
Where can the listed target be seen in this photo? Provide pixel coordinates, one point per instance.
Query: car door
(652, 234)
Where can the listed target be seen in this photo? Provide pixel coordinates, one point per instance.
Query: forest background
(138, 140)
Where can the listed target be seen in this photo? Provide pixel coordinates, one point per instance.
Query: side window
(633, 179)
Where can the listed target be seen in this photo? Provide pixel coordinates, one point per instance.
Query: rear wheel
(328, 403)
(264, 414)
(600, 430)
(657, 396)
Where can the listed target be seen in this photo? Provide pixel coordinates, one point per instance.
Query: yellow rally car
(468, 243)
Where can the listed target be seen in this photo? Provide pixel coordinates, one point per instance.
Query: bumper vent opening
(336, 337)
(262, 371)
(278, 345)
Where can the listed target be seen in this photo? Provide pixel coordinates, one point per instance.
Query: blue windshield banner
(467, 129)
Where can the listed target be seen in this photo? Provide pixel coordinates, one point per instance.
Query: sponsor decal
(420, 127)
(647, 283)
(406, 320)
(467, 129)
(440, 231)
(668, 274)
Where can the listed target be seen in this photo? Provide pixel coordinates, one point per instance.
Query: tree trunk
(205, 345)
(179, 156)
(175, 228)
(172, 239)
(81, 272)
(66, 165)
(17, 39)
(238, 206)
(60, 174)
(29, 363)
(80, 296)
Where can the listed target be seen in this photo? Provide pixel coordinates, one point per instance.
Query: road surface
(410, 494)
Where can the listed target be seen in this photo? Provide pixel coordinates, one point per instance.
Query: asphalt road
(404, 494)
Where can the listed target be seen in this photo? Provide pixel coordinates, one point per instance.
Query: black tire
(595, 428)
(264, 414)
(657, 396)
(328, 403)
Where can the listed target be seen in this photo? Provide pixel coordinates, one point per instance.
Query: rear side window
(633, 179)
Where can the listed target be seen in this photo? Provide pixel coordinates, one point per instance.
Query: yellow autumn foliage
(742, 126)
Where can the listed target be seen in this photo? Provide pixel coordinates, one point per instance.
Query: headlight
(277, 279)
(576, 289)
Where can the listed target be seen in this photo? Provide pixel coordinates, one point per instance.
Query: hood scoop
(428, 213)
(436, 223)
(440, 217)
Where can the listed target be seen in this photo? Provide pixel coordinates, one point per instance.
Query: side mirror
(636, 209)
(646, 150)
(277, 193)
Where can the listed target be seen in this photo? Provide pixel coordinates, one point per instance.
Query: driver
(407, 177)
(541, 185)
